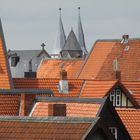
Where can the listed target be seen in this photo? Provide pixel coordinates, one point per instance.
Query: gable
(120, 97)
(95, 60)
(110, 118)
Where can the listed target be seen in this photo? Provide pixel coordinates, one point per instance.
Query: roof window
(14, 60)
(57, 110)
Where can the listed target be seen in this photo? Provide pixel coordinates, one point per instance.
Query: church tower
(61, 37)
(80, 34)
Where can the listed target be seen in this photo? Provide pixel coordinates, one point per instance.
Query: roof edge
(67, 100)
(49, 119)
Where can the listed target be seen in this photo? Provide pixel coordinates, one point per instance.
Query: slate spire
(61, 38)
(5, 73)
(80, 34)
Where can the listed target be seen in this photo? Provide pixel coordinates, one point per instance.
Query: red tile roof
(51, 68)
(131, 120)
(134, 89)
(9, 105)
(128, 61)
(4, 69)
(96, 59)
(43, 129)
(74, 85)
(96, 89)
(72, 109)
(99, 65)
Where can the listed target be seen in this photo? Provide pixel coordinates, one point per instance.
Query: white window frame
(113, 130)
(115, 97)
(118, 97)
(112, 97)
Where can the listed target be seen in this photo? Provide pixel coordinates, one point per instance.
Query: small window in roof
(57, 110)
(14, 61)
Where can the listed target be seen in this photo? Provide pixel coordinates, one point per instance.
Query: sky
(29, 23)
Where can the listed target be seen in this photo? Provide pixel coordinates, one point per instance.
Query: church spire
(61, 38)
(5, 74)
(80, 34)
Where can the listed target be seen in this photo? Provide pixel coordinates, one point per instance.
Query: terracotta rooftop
(99, 64)
(96, 89)
(74, 107)
(95, 60)
(51, 68)
(131, 120)
(9, 105)
(44, 128)
(134, 89)
(77, 88)
(74, 85)
(5, 75)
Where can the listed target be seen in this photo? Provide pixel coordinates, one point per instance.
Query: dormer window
(119, 99)
(14, 60)
(57, 110)
(115, 96)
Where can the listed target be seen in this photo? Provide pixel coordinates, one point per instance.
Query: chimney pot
(118, 75)
(125, 39)
(63, 83)
(63, 75)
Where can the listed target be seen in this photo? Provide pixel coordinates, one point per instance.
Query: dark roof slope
(71, 42)
(24, 57)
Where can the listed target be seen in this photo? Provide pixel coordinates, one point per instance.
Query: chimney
(30, 73)
(63, 75)
(26, 104)
(117, 72)
(118, 75)
(125, 39)
(63, 83)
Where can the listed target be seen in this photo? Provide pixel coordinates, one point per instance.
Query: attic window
(56, 109)
(113, 130)
(127, 48)
(14, 61)
(115, 96)
(59, 109)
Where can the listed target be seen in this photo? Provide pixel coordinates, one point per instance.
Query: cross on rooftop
(43, 45)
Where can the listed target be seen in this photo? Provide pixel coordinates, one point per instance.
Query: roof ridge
(49, 119)
(70, 99)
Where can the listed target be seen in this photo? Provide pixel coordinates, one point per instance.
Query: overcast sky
(28, 23)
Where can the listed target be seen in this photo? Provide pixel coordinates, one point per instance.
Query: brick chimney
(63, 83)
(63, 74)
(118, 75)
(26, 104)
(115, 67)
